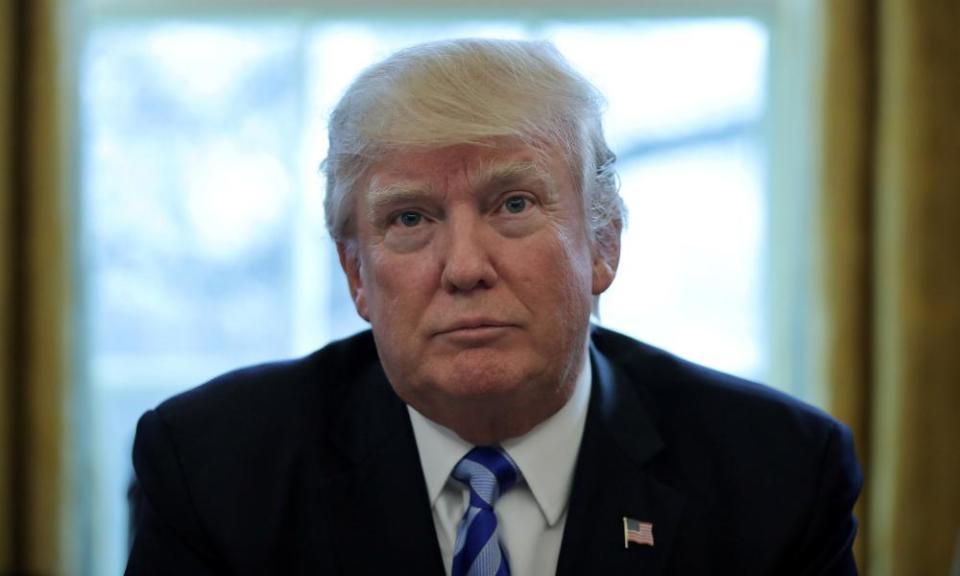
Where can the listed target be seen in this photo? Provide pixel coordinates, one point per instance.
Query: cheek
(559, 278)
(397, 288)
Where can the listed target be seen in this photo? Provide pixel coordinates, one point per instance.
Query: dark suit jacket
(311, 467)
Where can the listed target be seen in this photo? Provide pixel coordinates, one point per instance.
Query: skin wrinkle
(381, 198)
(532, 272)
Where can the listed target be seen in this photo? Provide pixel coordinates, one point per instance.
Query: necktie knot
(488, 472)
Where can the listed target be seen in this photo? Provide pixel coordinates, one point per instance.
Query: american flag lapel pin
(637, 532)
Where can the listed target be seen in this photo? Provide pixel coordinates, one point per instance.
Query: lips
(474, 325)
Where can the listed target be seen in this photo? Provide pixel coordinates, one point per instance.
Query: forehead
(467, 164)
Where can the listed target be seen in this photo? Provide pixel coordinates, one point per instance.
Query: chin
(487, 373)
(479, 383)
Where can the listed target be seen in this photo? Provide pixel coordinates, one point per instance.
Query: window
(204, 241)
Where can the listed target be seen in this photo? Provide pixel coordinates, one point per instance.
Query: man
(482, 426)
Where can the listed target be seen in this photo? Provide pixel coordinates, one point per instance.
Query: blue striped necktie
(489, 472)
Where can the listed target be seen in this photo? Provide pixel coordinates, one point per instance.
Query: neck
(486, 421)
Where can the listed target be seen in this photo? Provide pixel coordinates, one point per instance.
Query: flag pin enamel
(638, 532)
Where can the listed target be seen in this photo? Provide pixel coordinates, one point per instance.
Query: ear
(606, 255)
(350, 262)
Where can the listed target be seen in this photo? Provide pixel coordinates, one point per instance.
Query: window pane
(691, 261)
(664, 79)
(190, 134)
(686, 98)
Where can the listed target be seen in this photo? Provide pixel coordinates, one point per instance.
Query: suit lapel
(379, 507)
(613, 480)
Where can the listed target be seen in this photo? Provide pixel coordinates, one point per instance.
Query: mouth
(475, 330)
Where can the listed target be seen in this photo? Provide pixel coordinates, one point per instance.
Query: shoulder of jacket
(312, 387)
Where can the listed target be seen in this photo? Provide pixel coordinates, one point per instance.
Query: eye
(515, 204)
(409, 219)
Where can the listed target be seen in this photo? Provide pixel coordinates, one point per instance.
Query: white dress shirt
(531, 515)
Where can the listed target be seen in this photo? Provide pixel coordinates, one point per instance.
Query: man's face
(475, 268)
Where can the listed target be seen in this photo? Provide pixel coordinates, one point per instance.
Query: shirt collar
(546, 455)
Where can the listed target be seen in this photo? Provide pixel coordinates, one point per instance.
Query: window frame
(788, 130)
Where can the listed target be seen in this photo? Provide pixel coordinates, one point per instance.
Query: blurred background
(791, 170)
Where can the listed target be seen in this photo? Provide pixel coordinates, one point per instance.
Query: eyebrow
(382, 198)
(497, 175)
(490, 175)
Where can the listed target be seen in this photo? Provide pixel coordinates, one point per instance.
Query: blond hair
(470, 91)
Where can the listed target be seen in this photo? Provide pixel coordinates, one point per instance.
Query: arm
(827, 545)
(168, 537)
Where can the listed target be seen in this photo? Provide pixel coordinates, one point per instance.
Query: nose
(467, 263)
